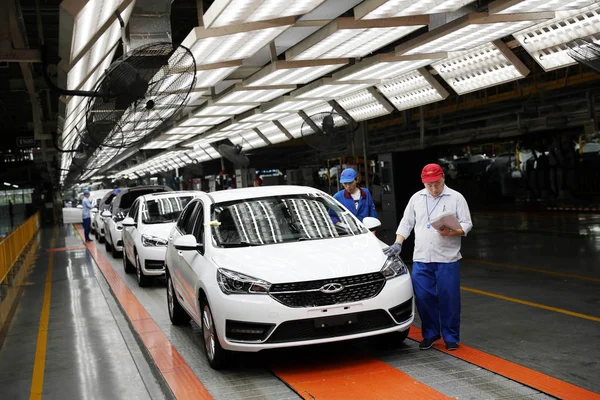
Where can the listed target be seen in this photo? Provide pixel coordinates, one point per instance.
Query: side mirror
(187, 243)
(94, 210)
(371, 223)
(106, 214)
(79, 206)
(128, 222)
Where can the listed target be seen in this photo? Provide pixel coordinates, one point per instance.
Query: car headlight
(393, 268)
(232, 282)
(153, 241)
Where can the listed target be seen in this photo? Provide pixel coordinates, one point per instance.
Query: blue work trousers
(437, 295)
(86, 227)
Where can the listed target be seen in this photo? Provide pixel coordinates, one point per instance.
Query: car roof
(261, 191)
(134, 188)
(179, 193)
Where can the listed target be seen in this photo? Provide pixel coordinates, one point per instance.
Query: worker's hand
(443, 231)
(394, 250)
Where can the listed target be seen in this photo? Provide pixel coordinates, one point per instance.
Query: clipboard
(447, 219)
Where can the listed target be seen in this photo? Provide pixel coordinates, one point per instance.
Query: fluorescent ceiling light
(519, 6)
(347, 37)
(204, 121)
(385, 66)
(273, 133)
(373, 9)
(208, 75)
(488, 65)
(287, 104)
(327, 89)
(413, 89)
(235, 42)
(546, 42)
(364, 105)
(293, 124)
(234, 12)
(224, 109)
(159, 145)
(247, 139)
(470, 31)
(293, 72)
(258, 116)
(196, 130)
(255, 94)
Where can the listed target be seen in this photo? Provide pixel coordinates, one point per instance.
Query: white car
(96, 198)
(119, 207)
(97, 219)
(146, 229)
(280, 266)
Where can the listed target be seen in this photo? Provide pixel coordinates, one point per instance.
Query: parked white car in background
(270, 267)
(146, 229)
(97, 219)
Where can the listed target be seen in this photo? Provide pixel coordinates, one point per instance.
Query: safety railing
(13, 246)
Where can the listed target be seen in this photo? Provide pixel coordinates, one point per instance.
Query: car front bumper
(284, 326)
(152, 260)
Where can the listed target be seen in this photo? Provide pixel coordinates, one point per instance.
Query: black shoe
(427, 343)
(88, 240)
(451, 346)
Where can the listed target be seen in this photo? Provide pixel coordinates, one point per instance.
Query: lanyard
(428, 212)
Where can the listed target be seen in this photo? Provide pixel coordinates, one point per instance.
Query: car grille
(309, 329)
(309, 294)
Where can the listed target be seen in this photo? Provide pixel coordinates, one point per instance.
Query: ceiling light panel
(263, 117)
(246, 138)
(233, 12)
(413, 89)
(327, 89)
(546, 42)
(363, 105)
(488, 65)
(519, 6)
(287, 104)
(215, 45)
(204, 121)
(470, 31)
(224, 109)
(254, 95)
(373, 9)
(195, 130)
(294, 72)
(210, 74)
(385, 66)
(347, 37)
(272, 132)
(293, 124)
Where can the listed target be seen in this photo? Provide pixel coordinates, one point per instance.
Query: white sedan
(145, 232)
(267, 267)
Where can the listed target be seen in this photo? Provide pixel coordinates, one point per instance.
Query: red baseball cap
(431, 173)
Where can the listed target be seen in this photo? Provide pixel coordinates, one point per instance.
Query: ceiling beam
(20, 55)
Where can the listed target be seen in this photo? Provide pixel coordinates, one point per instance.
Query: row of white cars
(263, 268)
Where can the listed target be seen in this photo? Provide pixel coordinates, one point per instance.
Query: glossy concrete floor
(530, 296)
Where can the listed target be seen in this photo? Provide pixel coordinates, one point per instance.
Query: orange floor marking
(67, 248)
(179, 376)
(362, 378)
(518, 373)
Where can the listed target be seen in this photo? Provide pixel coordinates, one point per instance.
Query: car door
(194, 262)
(129, 232)
(175, 258)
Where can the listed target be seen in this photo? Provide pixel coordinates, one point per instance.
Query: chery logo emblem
(331, 288)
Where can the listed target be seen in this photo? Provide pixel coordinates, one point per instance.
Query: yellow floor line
(37, 381)
(541, 271)
(528, 303)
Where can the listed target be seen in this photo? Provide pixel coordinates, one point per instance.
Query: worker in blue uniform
(436, 265)
(356, 199)
(86, 214)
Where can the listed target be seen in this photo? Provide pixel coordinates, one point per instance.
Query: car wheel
(107, 245)
(216, 355)
(99, 238)
(115, 253)
(143, 280)
(127, 266)
(177, 314)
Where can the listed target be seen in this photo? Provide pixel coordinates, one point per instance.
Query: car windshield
(163, 210)
(280, 219)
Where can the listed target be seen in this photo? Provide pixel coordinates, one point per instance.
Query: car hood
(159, 230)
(307, 260)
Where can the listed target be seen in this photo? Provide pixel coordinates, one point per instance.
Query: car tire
(177, 313)
(127, 265)
(143, 280)
(115, 253)
(99, 237)
(217, 357)
(107, 245)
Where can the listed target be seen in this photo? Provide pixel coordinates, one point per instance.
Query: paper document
(447, 219)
